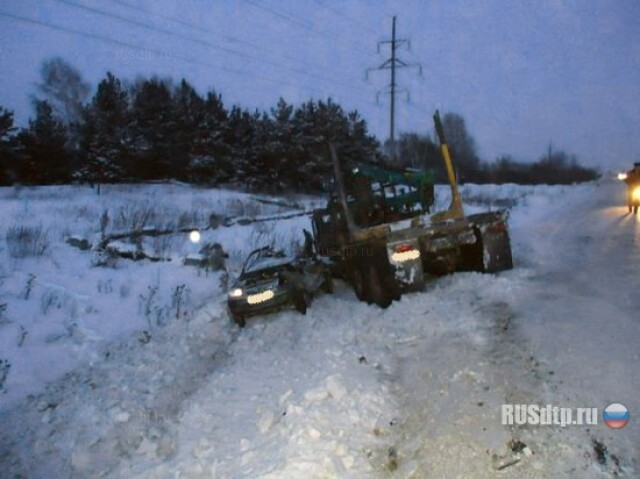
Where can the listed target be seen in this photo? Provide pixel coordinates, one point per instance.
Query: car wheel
(238, 318)
(301, 302)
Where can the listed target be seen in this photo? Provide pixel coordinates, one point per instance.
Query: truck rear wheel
(357, 280)
(378, 291)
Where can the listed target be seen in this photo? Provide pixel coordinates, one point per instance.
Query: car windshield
(264, 258)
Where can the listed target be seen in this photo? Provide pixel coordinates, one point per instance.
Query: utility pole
(392, 64)
(393, 85)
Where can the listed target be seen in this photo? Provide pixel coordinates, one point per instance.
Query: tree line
(153, 129)
(421, 151)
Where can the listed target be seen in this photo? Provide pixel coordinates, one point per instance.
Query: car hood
(261, 277)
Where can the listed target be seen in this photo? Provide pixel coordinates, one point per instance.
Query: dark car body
(271, 280)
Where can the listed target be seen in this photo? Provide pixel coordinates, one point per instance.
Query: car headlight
(235, 293)
(622, 176)
(636, 194)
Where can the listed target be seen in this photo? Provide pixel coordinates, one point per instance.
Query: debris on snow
(79, 242)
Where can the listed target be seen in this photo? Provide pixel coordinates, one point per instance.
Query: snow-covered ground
(107, 378)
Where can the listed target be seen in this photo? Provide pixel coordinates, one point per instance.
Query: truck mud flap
(496, 247)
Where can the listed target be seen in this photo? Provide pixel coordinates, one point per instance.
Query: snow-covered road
(349, 390)
(580, 316)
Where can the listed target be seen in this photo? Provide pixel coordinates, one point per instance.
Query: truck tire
(472, 255)
(378, 290)
(357, 280)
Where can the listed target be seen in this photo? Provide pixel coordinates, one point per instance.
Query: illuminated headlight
(404, 253)
(260, 297)
(622, 176)
(235, 293)
(636, 194)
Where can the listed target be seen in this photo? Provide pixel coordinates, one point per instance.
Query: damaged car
(272, 280)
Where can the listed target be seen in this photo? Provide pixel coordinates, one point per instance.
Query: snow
(112, 381)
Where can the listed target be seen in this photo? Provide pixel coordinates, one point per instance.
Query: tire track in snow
(453, 380)
(127, 404)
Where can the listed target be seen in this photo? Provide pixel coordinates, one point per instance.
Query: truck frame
(377, 234)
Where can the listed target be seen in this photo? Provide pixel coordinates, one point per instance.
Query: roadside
(580, 316)
(350, 390)
(560, 329)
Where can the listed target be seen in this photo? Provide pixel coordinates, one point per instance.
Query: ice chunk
(265, 422)
(335, 387)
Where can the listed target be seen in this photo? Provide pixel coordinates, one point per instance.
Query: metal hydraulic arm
(455, 211)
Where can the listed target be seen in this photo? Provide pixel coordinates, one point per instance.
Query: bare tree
(461, 142)
(64, 89)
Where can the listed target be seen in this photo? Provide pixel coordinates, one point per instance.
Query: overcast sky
(522, 73)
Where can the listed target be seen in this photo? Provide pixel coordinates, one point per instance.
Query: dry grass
(27, 241)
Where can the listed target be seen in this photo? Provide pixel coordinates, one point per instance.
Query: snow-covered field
(133, 369)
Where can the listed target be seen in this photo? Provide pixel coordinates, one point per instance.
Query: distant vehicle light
(194, 236)
(622, 176)
(235, 293)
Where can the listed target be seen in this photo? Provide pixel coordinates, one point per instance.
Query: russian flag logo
(616, 416)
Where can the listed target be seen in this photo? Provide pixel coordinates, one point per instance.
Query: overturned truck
(378, 234)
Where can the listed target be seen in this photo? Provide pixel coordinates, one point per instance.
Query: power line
(161, 53)
(104, 13)
(182, 22)
(286, 17)
(229, 38)
(201, 42)
(346, 17)
(296, 21)
(419, 108)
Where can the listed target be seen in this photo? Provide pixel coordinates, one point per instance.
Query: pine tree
(46, 157)
(211, 158)
(153, 128)
(281, 157)
(188, 113)
(105, 137)
(317, 125)
(243, 139)
(8, 154)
